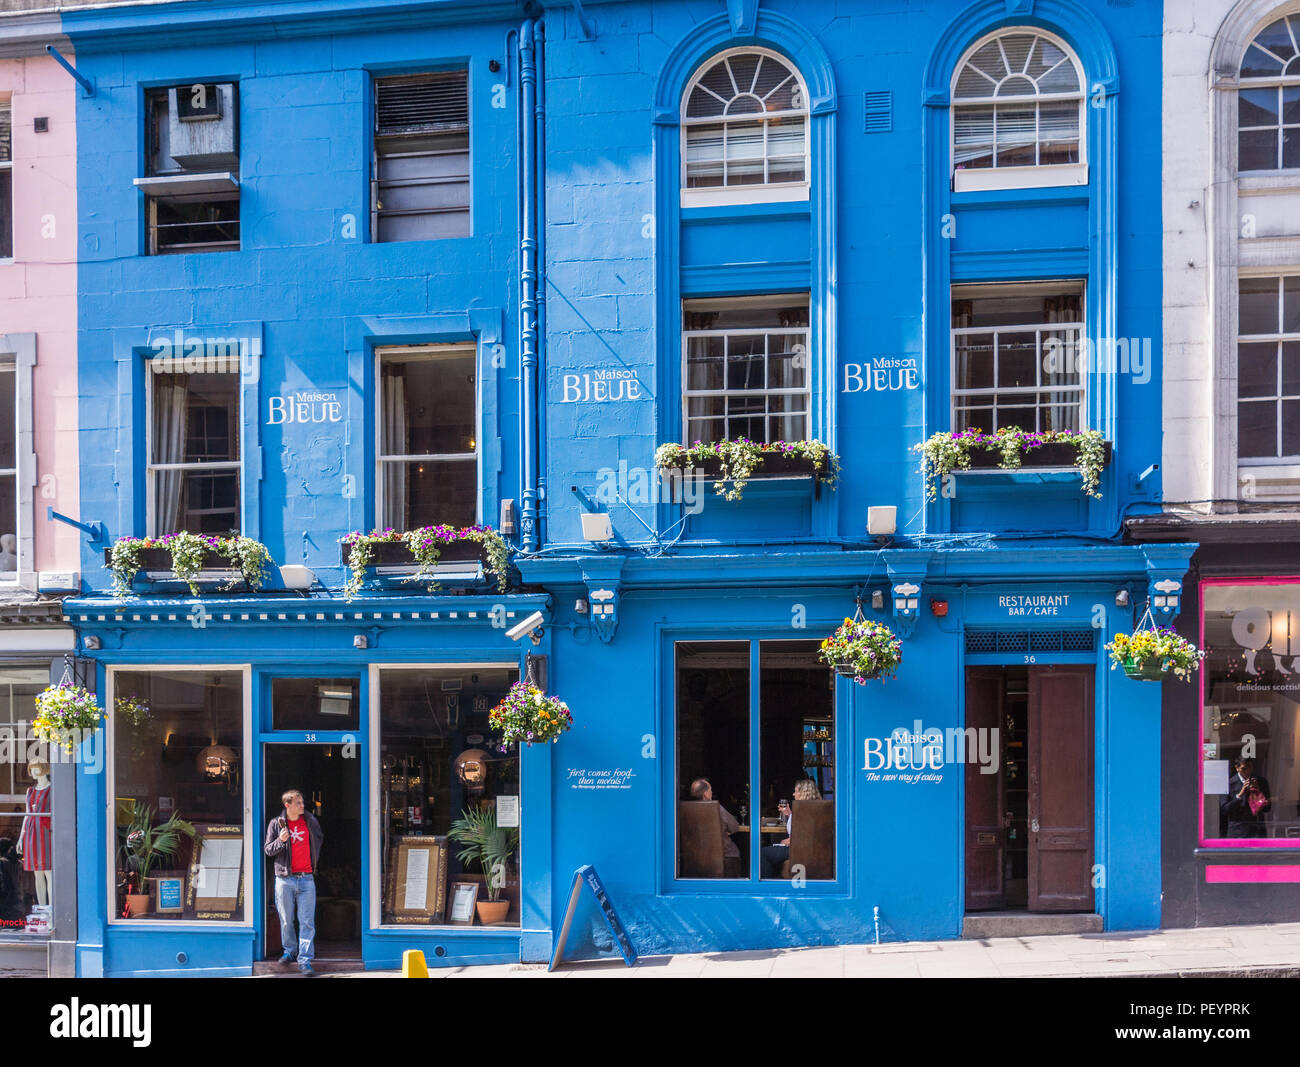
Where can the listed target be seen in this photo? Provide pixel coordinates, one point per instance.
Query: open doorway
(1029, 825)
(331, 786)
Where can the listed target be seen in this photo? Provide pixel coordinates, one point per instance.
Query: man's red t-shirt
(300, 842)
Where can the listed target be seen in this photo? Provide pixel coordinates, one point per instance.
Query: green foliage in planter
(487, 844)
(951, 451)
(425, 545)
(249, 558)
(739, 459)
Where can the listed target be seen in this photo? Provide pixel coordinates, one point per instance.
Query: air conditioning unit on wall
(201, 126)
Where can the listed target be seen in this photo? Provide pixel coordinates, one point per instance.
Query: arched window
(1017, 114)
(1268, 102)
(745, 131)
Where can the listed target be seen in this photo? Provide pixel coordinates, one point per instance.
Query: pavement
(1263, 951)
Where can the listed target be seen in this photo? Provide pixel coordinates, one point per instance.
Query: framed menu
(418, 889)
(216, 889)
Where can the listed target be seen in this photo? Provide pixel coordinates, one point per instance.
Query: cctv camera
(532, 626)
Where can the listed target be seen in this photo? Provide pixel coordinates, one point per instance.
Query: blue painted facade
(876, 245)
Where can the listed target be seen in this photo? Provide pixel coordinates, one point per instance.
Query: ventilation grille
(879, 109)
(1030, 640)
(422, 103)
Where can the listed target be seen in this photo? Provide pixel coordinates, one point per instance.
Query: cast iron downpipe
(539, 207)
(528, 532)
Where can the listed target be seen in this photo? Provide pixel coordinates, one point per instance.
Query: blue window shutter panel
(878, 111)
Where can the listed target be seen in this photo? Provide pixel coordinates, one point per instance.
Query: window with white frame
(194, 458)
(427, 448)
(1017, 114)
(6, 183)
(1268, 368)
(746, 369)
(1268, 99)
(1016, 357)
(745, 131)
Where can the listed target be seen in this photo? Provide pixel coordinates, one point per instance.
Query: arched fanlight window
(1268, 101)
(1017, 109)
(745, 128)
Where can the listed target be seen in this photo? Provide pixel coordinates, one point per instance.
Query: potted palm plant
(491, 847)
(144, 846)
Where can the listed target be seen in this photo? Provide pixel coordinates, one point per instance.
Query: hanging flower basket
(527, 716)
(1154, 654)
(863, 650)
(66, 714)
(131, 709)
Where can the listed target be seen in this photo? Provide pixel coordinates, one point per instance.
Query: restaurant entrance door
(330, 783)
(1029, 826)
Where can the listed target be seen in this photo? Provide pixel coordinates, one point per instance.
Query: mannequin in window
(34, 843)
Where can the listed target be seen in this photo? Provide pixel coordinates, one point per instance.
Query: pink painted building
(38, 470)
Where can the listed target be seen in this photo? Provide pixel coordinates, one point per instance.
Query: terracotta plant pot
(137, 905)
(492, 911)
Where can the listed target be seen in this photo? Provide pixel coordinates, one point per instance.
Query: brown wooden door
(985, 835)
(1060, 788)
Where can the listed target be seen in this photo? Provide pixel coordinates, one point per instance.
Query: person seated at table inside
(701, 789)
(774, 856)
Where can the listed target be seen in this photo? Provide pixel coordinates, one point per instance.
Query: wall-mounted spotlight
(91, 642)
(360, 641)
(1121, 598)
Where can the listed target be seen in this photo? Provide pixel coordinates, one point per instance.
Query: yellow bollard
(413, 965)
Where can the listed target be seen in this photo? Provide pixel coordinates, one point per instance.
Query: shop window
(1017, 114)
(1268, 368)
(1250, 712)
(194, 458)
(440, 762)
(746, 369)
(6, 184)
(178, 751)
(428, 449)
(421, 163)
(26, 811)
(745, 131)
(191, 182)
(319, 704)
(1268, 100)
(1016, 358)
(755, 786)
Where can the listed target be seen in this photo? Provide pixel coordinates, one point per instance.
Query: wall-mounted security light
(882, 521)
(596, 526)
(297, 577)
(1121, 598)
(531, 626)
(360, 641)
(580, 606)
(91, 642)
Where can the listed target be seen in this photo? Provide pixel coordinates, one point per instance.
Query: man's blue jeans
(296, 894)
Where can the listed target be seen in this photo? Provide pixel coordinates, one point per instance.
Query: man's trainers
(287, 959)
(306, 971)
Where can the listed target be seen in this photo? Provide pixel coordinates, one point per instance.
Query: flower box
(393, 554)
(774, 466)
(156, 566)
(1052, 454)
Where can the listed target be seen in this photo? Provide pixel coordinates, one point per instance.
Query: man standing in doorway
(294, 838)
